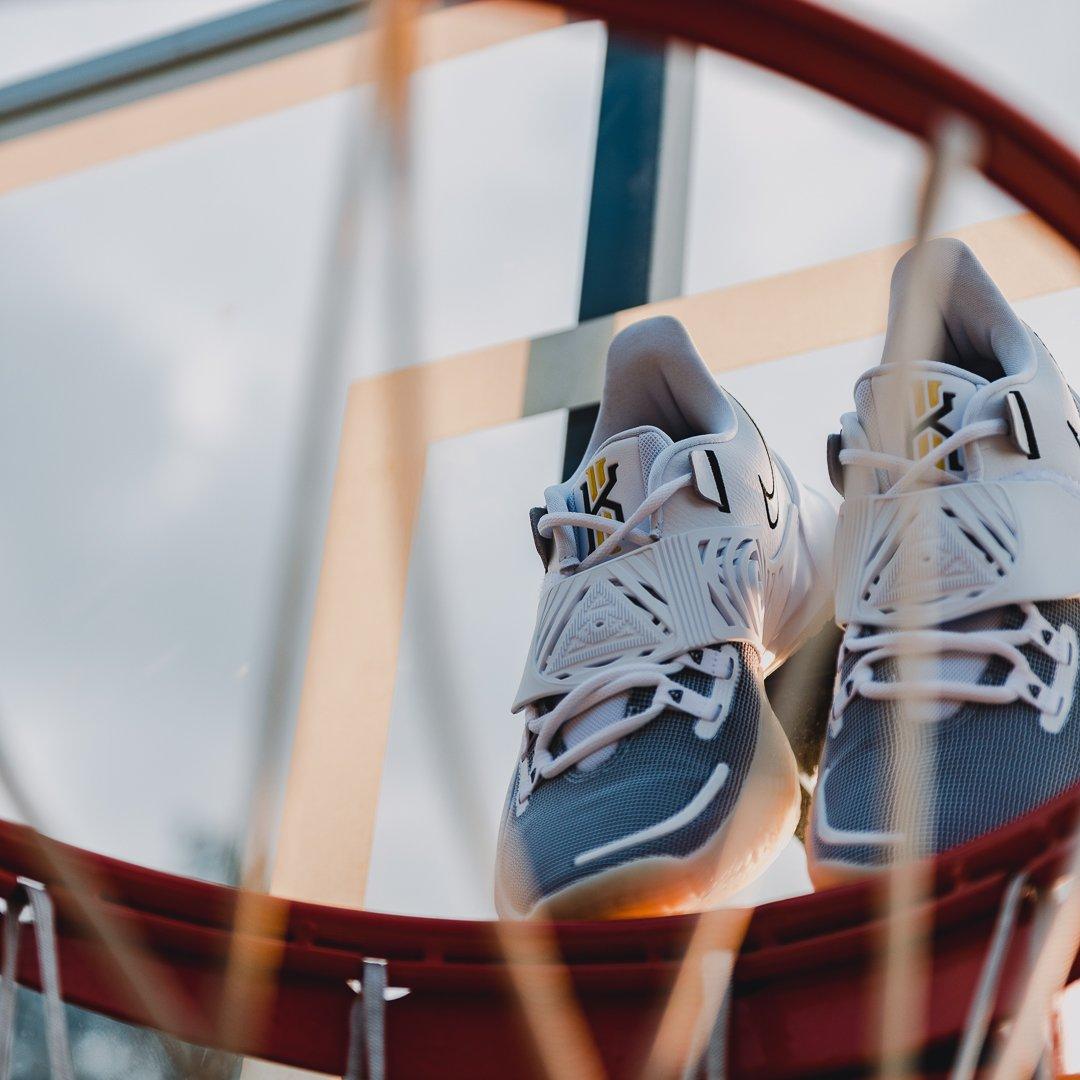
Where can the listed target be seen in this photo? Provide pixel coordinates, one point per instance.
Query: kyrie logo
(929, 431)
(596, 496)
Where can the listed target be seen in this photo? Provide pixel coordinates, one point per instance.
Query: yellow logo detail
(596, 475)
(596, 496)
(930, 406)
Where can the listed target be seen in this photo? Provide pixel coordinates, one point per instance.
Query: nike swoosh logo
(768, 494)
(694, 808)
(770, 499)
(844, 837)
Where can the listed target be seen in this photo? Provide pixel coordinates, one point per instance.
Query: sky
(154, 326)
(168, 302)
(155, 317)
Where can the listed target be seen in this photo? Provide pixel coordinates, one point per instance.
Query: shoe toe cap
(576, 825)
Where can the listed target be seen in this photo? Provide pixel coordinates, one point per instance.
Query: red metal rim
(808, 959)
(877, 74)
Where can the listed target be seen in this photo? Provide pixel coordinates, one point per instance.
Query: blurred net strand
(905, 957)
(705, 1052)
(1024, 1044)
(981, 1010)
(686, 1033)
(253, 961)
(158, 993)
(702, 987)
(719, 967)
(538, 975)
(33, 898)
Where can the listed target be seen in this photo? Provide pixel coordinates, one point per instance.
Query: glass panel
(156, 328)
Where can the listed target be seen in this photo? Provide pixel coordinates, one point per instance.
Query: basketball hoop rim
(876, 73)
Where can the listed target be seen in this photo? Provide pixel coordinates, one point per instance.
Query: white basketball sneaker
(958, 581)
(683, 560)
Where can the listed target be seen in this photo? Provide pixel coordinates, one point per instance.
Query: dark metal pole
(622, 209)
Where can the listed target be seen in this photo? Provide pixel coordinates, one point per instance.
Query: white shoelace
(620, 678)
(923, 645)
(618, 532)
(667, 694)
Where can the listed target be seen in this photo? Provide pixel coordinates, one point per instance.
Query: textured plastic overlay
(681, 593)
(944, 553)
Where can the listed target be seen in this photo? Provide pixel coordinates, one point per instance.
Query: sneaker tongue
(613, 482)
(911, 412)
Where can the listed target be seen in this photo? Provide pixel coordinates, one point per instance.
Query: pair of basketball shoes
(684, 561)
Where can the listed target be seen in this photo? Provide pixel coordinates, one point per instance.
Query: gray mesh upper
(986, 764)
(652, 775)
